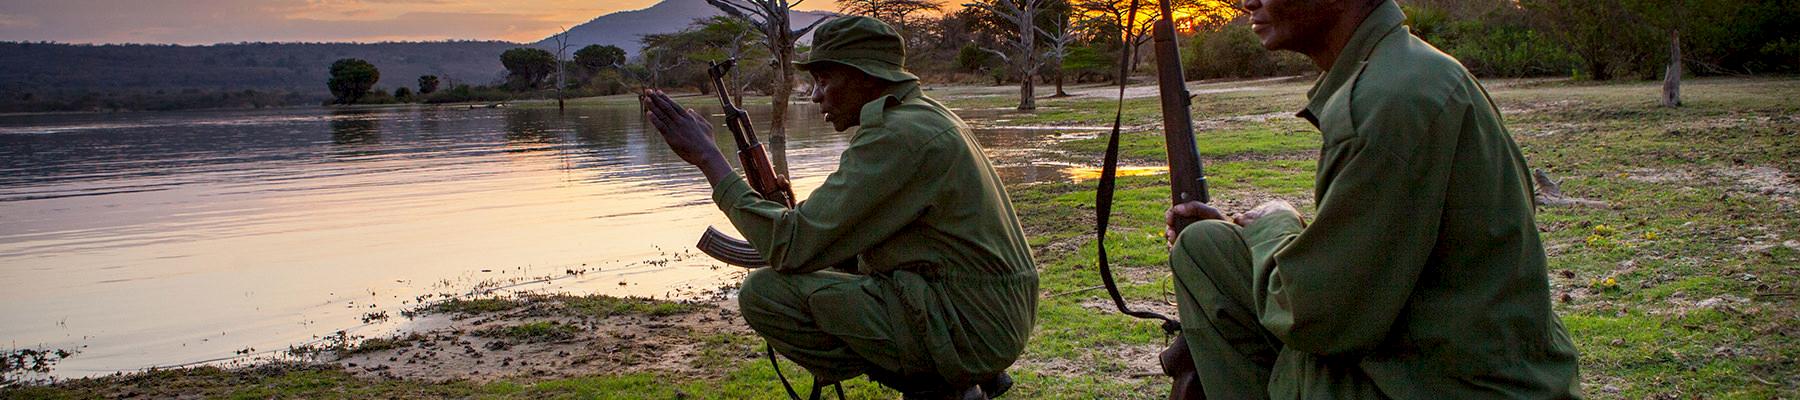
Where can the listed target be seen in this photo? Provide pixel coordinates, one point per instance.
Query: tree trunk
(1059, 85)
(1028, 62)
(1671, 93)
(778, 154)
(1027, 99)
(784, 87)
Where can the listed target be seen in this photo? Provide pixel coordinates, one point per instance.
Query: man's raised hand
(687, 132)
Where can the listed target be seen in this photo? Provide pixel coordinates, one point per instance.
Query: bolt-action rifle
(757, 171)
(1187, 183)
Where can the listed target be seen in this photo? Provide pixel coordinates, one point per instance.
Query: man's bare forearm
(715, 168)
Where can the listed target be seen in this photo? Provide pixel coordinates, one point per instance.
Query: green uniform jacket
(1422, 276)
(916, 202)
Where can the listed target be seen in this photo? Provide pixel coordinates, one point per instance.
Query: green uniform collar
(1383, 21)
(897, 93)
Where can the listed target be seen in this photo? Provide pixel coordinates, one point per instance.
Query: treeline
(76, 77)
(1588, 39)
(531, 72)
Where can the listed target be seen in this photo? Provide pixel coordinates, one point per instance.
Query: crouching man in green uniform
(945, 292)
(1421, 275)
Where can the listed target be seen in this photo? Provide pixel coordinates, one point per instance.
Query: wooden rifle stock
(1187, 178)
(757, 171)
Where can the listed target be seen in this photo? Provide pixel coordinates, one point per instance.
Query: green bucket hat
(862, 42)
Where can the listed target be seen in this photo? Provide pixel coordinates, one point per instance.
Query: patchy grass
(474, 306)
(1684, 287)
(606, 306)
(532, 332)
(589, 306)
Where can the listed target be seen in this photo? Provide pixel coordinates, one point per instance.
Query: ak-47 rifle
(757, 171)
(1187, 182)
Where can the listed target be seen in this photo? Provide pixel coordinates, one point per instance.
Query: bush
(1234, 51)
(1500, 44)
(466, 93)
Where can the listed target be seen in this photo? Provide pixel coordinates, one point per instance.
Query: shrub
(1234, 51)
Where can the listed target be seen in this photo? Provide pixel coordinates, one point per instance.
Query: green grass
(532, 332)
(1701, 301)
(606, 306)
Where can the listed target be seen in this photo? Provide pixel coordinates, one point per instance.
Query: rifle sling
(1103, 197)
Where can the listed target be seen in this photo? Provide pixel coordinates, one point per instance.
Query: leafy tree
(595, 58)
(527, 67)
(402, 93)
(1086, 61)
(428, 84)
(973, 59)
(351, 79)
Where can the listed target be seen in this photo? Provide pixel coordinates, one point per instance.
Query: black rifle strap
(817, 389)
(1103, 196)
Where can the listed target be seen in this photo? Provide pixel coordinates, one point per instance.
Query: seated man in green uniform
(1421, 275)
(945, 292)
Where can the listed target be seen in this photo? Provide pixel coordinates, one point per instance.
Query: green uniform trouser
(1232, 352)
(834, 324)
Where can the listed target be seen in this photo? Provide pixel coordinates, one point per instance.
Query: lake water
(157, 239)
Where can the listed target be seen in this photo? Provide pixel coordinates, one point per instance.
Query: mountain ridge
(624, 28)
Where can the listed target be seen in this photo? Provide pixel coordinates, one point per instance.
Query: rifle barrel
(1187, 179)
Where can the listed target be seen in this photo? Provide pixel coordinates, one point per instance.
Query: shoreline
(1683, 286)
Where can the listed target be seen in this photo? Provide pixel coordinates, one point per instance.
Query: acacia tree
(527, 67)
(1111, 17)
(724, 37)
(772, 18)
(597, 57)
(428, 84)
(351, 79)
(1024, 59)
(899, 14)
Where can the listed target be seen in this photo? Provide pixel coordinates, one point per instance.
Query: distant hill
(61, 77)
(625, 27)
(52, 68)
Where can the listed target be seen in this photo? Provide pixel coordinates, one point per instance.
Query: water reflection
(355, 127)
(164, 238)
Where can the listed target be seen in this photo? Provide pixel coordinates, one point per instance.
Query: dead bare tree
(1057, 44)
(562, 49)
(1025, 59)
(772, 18)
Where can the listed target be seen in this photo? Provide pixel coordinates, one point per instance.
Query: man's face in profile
(1293, 25)
(841, 92)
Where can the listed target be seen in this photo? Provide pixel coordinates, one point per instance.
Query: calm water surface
(155, 239)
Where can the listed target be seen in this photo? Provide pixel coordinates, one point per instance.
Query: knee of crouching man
(758, 282)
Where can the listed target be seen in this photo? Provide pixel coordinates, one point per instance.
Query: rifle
(1187, 181)
(757, 171)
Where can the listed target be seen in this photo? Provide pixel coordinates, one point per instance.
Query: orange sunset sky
(219, 21)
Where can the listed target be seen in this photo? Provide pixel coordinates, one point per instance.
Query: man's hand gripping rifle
(757, 170)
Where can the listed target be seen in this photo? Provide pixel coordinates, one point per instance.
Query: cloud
(217, 21)
(9, 21)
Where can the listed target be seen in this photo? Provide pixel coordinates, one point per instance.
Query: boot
(1178, 363)
(970, 393)
(997, 386)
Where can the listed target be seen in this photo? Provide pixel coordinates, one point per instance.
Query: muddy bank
(538, 336)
